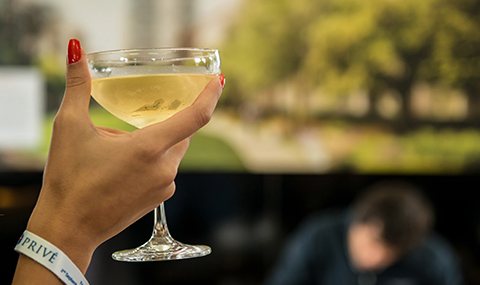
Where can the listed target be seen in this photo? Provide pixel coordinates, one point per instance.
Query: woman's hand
(98, 181)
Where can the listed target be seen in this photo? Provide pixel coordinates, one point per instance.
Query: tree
(455, 57)
(373, 45)
(266, 45)
(343, 46)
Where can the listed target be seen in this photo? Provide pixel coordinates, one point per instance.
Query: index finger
(186, 122)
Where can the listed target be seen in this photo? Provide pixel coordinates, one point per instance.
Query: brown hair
(404, 215)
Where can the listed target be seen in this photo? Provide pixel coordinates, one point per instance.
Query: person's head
(389, 220)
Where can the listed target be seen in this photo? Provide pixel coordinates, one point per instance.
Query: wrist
(50, 257)
(55, 229)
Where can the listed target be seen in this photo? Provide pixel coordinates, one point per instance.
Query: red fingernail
(74, 51)
(222, 80)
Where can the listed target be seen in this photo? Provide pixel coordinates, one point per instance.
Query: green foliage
(343, 46)
(367, 44)
(266, 45)
(455, 57)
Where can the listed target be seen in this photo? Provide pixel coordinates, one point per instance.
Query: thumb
(78, 82)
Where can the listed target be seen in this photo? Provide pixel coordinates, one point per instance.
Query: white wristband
(51, 257)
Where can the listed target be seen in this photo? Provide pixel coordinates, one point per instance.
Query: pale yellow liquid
(142, 100)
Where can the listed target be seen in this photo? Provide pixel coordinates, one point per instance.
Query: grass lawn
(368, 149)
(206, 153)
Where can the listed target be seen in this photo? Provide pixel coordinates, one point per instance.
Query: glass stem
(160, 228)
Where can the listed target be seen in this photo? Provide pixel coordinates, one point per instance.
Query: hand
(98, 181)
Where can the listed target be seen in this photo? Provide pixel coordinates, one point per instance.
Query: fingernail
(74, 51)
(222, 80)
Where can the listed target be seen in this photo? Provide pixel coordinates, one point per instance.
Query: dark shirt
(318, 254)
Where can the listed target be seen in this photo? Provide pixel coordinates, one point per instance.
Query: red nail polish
(74, 51)
(222, 80)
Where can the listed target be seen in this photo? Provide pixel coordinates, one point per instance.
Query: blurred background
(323, 97)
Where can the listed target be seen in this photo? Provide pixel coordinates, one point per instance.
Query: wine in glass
(143, 87)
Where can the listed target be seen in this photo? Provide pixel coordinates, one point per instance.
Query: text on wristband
(31, 244)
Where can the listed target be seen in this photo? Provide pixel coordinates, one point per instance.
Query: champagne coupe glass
(143, 87)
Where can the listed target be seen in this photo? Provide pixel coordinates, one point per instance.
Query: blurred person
(385, 238)
(98, 181)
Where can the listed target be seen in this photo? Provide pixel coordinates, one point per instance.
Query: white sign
(22, 101)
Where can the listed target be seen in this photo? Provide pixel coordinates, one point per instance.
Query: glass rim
(162, 49)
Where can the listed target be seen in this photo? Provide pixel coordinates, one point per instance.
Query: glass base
(161, 248)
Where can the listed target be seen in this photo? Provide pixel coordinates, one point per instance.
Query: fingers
(167, 172)
(78, 86)
(167, 192)
(156, 197)
(168, 164)
(186, 122)
(176, 153)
